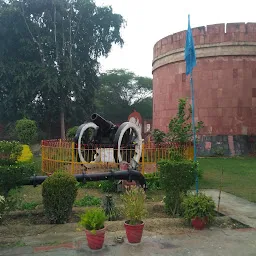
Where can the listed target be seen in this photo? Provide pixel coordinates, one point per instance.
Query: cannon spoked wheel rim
(84, 128)
(137, 139)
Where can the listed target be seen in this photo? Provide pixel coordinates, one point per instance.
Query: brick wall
(224, 78)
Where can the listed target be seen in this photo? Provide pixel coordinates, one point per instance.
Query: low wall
(226, 145)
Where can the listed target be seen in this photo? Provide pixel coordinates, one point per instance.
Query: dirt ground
(31, 223)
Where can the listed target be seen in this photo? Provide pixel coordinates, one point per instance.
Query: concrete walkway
(235, 207)
(215, 242)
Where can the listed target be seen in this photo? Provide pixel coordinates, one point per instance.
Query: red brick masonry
(224, 78)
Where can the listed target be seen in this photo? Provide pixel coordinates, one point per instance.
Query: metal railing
(63, 155)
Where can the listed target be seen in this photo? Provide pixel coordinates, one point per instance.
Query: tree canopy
(120, 92)
(49, 58)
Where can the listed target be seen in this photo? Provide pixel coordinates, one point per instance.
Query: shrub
(177, 153)
(176, 178)
(26, 154)
(26, 130)
(218, 151)
(153, 181)
(110, 209)
(88, 200)
(108, 186)
(9, 152)
(14, 175)
(180, 126)
(134, 205)
(198, 206)
(158, 136)
(93, 219)
(29, 206)
(59, 192)
(89, 184)
(71, 133)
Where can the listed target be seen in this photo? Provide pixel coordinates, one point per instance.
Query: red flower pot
(199, 223)
(95, 240)
(134, 232)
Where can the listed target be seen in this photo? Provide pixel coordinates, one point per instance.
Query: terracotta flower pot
(199, 223)
(95, 240)
(134, 232)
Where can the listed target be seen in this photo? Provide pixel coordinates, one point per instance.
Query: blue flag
(190, 54)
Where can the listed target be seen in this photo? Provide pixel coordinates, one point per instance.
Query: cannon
(108, 142)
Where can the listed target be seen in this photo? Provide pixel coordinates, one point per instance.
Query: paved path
(215, 242)
(235, 207)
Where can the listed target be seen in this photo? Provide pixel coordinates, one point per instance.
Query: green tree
(180, 126)
(49, 61)
(120, 92)
(26, 130)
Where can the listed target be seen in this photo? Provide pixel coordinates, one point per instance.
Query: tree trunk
(62, 124)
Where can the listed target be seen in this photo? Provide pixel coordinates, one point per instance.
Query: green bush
(26, 130)
(71, 133)
(158, 136)
(59, 192)
(89, 184)
(177, 153)
(29, 206)
(93, 219)
(198, 206)
(134, 205)
(176, 178)
(108, 186)
(10, 151)
(110, 209)
(153, 181)
(88, 200)
(14, 175)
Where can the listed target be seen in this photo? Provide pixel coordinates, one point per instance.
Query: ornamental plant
(93, 219)
(153, 181)
(180, 126)
(198, 206)
(10, 151)
(59, 192)
(176, 178)
(26, 154)
(72, 132)
(12, 172)
(26, 130)
(134, 205)
(14, 175)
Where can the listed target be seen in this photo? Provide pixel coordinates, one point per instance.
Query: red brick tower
(224, 79)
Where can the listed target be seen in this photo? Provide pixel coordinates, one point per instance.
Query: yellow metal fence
(63, 155)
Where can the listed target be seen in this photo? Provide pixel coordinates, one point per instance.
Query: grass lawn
(239, 175)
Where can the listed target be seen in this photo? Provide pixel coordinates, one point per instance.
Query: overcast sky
(150, 20)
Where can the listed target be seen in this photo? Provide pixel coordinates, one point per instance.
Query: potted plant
(134, 211)
(198, 210)
(93, 222)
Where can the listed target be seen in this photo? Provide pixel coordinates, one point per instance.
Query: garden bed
(30, 220)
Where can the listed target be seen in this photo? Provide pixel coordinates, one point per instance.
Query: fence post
(42, 156)
(143, 157)
(73, 158)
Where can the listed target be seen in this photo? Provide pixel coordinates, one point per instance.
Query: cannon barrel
(104, 124)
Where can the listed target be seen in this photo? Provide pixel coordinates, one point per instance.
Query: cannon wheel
(127, 134)
(81, 133)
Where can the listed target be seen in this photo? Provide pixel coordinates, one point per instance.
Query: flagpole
(190, 57)
(193, 124)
